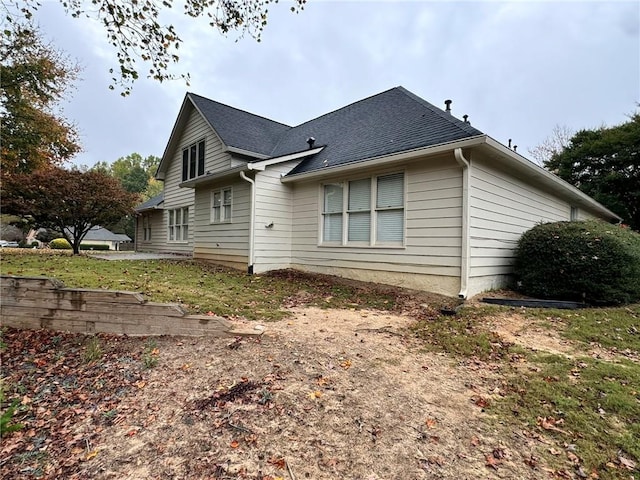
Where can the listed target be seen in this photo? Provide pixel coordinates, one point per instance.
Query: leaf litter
(323, 394)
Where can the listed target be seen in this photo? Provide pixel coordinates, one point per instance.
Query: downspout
(465, 247)
(252, 214)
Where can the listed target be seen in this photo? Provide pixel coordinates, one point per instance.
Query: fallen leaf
(625, 462)
(492, 461)
(234, 444)
(346, 364)
(278, 462)
(315, 394)
(549, 423)
(475, 441)
(90, 455)
(431, 422)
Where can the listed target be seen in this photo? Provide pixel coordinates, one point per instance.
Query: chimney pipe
(515, 147)
(447, 107)
(466, 119)
(509, 143)
(311, 141)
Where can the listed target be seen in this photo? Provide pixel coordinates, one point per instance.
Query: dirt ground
(323, 394)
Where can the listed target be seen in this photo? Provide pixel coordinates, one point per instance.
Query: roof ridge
(329, 113)
(441, 113)
(238, 109)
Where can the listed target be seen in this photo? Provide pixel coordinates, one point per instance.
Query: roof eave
(212, 177)
(386, 159)
(550, 179)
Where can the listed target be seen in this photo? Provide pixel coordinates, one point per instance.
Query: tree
(35, 77)
(133, 28)
(605, 164)
(133, 171)
(556, 142)
(69, 201)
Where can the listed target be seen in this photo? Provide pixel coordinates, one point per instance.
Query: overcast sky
(516, 68)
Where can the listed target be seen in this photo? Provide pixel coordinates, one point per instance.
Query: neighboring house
(101, 236)
(389, 189)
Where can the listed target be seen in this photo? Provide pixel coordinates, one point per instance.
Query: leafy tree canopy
(68, 201)
(605, 164)
(137, 33)
(35, 78)
(134, 172)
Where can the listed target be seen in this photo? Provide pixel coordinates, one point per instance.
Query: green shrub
(89, 246)
(60, 244)
(589, 261)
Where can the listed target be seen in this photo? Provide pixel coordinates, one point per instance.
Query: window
(374, 213)
(178, 224)
(193, 161)
(573, 216)
(332, 213)
(221, 205)
(146, 228)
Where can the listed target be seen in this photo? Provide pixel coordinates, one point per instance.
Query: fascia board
(284, 158)
(387, 159)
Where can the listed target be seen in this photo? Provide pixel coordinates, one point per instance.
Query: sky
(516, 68)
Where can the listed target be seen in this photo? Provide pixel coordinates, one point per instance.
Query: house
(388, 189)
(98, 235)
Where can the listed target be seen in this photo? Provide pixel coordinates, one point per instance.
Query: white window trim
(373, 243)
(212, 207)
(178, 227)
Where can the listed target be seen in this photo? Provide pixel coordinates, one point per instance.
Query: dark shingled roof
(240, 129)
(150, 204)
(390, 122)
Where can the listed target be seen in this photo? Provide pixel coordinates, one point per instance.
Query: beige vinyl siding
(274, 205)
(223, 243)
(158, 242)
(430, 258)
(501, 208)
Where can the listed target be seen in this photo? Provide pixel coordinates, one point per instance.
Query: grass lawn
(199, 287)
(588, 401)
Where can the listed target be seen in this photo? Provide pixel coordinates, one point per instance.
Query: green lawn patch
(201, 287)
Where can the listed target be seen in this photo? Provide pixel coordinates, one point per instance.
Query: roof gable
(240, 129)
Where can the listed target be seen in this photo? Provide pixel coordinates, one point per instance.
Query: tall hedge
(591, 261)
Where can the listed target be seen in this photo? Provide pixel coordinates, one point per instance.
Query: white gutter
(386, 159)
(465, 250)
(252, 216)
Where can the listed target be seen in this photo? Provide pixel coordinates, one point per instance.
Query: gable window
(146, 228)
(221, 201)
(193, 161)
(178, 224)
(367, 211)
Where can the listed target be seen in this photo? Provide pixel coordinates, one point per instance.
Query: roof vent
(311, 141)
(509, 143)
(447, 107)
(515, 147)
(466, 119)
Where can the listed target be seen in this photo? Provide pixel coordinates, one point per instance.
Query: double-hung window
(146, 228)
(221, 201)
(178, 224)
(193, 161)
(368, 211)
(332, 213)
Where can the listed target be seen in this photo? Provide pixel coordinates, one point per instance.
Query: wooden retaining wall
(41, 302)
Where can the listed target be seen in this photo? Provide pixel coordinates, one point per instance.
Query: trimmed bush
(592, 261)
(60, 244)
(89, 246)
